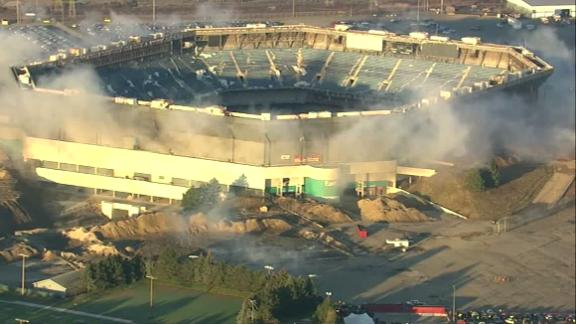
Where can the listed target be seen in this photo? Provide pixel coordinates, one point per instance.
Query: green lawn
(171, 305)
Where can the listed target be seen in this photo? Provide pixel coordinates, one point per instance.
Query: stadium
(272, 104)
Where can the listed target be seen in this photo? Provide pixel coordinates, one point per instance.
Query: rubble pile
(9, 197)
(153, 224)
(385, 209)
(314, 211)
(12, 253)
(90, 241)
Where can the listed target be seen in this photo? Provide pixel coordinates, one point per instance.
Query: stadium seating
(184, 77)
(286, 60)
(338, 69)
(256, 63)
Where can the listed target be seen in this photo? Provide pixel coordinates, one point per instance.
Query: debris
(314, 211)
(13, 253)
(362, 231)
(501, 279)
(157, 223)
(389, 210)
(399, 243)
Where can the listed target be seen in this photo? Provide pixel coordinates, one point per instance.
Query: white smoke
(542, 130)
(538, 130)
(215, 14)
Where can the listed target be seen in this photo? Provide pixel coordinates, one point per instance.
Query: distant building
(545, 8)
(69, 283)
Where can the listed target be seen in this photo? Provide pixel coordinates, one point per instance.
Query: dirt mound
(252, 225)
(90, 241)
(149, 225)
(388, 210)
(102, 249)
(142, 226)
(276, 225)
(243, 205)
(520, 185)
(49, 256)
(13, 252)
(315, 211)
(81, 234)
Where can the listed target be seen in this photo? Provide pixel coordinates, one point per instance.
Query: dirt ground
(528, 268)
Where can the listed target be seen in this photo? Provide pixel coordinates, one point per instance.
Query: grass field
(171, 305)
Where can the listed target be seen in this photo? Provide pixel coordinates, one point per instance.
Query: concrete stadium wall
(162, 168)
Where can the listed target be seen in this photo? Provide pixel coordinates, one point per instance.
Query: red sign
(312, 158)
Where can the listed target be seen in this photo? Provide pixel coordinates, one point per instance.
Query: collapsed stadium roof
(173, 118)
(206, 66)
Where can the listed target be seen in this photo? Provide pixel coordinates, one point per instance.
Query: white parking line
(68, 311)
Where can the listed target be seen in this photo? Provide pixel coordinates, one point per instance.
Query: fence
(527, 216)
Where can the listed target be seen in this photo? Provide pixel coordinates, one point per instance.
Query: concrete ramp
(443, 209)
(554, 189)
(416, 172)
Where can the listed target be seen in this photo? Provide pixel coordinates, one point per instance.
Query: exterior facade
(163, 178)
(143, 143)
(543, 8)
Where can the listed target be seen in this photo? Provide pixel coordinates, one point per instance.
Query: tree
(212, 193)
(113, 271)
(325, 312)
(495, 175)
(248, 312)
(167, 263)
(474, 180)
(239, 186)
(275, 295)
(203, 198)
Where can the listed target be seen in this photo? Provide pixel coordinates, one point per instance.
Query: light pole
(252, 310)
(17, 11)
(151, 290)
(453, 303)
(154, 12)
(501, 225)
(418, 15)
(311, 277)
(24, 256)
(293, 8)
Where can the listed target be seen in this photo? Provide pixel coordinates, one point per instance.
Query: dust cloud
(504, 122)
(475, 128)
(215, 14)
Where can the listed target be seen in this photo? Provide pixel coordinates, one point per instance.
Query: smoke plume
(539, 130)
